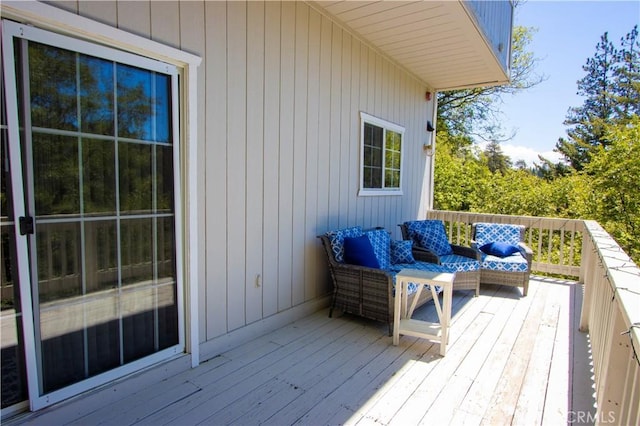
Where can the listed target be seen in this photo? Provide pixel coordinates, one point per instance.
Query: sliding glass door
(96, 139)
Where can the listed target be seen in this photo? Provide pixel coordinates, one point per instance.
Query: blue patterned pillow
(359, 251)
(430, 234)
(381, 242)
(497, 232)
(337, 240)
(500, 249)
(401, 252)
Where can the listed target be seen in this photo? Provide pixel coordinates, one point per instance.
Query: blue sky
(567, 34)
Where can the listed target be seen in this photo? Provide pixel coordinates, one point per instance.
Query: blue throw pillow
(381, 242)
(500, 249)
(430, 234)
(401, 252)
(359, 251)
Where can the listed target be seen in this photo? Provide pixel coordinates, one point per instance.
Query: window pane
(136, 177)
(99, 180)
(392, 178)
(56, 174)
(14, 380)
(96, 95)
(59, 268)
(373, 149)
(138, 323)
(166, 250)
(377, 136)
(101, 255)
(134, 102)
(53, 100)
(393, 141)
(392, 160)
(372, 178)
(164, 176)
(6, 197)
(136, 238)
(163, 108)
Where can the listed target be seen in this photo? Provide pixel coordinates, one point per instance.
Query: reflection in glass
(6, 206)
(106, 281)
(138, 323)
(135, 174)
(59, 261)
(96, 95)
(164, 176)
(136, 239)
(99, 180)
(14, 376)
(101, 255)
(167, 315)
(53, 100)
(134, 96)
(166, 250)
(56, 183)
(163, 108)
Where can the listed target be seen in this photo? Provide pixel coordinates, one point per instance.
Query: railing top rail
(623, 275)
(504, 218)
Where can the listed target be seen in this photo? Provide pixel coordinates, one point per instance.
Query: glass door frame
(10, 32)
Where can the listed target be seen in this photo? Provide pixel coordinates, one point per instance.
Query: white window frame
(59, 21)
(386, 126)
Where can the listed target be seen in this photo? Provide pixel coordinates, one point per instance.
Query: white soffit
(437, 41)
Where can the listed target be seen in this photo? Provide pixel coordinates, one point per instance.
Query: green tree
(497, 161)
(615, 178)
(611, 92)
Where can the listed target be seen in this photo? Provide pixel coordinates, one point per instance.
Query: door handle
(26, 225)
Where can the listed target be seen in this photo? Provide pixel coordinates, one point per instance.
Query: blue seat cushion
(514, 263)
(457, 263)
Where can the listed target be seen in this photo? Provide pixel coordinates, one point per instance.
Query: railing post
(587, 269)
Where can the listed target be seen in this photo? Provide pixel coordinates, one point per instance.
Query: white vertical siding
(281, 91)
(193, 13)
(255, 160)
(215, 221)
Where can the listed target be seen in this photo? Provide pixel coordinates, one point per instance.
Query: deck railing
(556, 243)
(611, 304)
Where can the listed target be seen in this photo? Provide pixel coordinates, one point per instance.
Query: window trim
(385, 125)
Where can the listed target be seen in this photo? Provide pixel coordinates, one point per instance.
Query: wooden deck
(511, 360)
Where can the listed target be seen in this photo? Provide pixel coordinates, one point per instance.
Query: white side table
(402, 322)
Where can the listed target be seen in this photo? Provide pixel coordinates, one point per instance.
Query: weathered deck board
(510, 359)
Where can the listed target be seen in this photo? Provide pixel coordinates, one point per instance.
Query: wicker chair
(464, 261)
(366, 292)
(512, 270)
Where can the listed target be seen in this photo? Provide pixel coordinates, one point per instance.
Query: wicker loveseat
(430, 244)
(509, 262)
(367, 291)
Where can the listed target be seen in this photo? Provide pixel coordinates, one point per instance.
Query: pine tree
(611, 87)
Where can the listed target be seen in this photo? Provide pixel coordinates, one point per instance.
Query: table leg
(446, 317)
(397, 302)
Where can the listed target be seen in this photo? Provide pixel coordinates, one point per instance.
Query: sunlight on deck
(510, 360)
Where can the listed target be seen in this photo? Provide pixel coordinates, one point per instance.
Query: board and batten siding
(280, 92)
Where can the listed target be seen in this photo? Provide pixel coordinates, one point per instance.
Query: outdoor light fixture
(430, 127)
